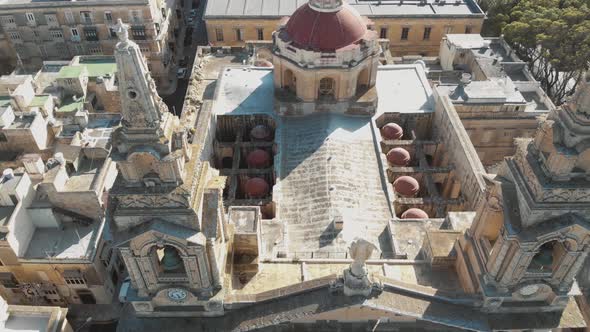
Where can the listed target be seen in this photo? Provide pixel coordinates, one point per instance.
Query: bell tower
(532, 233)
(173, 247)
(151, 145)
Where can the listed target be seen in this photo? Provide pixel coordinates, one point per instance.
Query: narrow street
(198, 38)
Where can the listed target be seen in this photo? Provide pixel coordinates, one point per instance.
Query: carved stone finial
(360, 251)
(356, 280)
(122, 30)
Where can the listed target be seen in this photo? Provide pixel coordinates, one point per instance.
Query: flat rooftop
(99, 66)
(403, 88)
(244, 90)
(492, 91)
(71, 242)
(25, 323)
(384, 8)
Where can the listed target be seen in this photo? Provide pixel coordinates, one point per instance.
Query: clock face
(177, 294)
(529, 290)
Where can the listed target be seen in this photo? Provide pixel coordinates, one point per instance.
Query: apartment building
(412, 26)
(60, 30)
(55, 129)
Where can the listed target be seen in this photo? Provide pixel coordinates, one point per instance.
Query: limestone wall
(460, 152)
(20, 226)
(415, 44)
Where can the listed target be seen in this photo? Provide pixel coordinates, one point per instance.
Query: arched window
(168, 260)
(547, 258)
(327, 88)
(290, 81)
(362, 82)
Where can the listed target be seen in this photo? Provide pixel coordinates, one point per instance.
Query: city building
(33, 318)
(412, 26)
(55, 142)
(59, 30)
(324, 192)
(492, 91)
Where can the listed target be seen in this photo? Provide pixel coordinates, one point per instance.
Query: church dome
(392, 131)
(406, 186)
(258, 159)
(321, 27)
(414, 213)
(398, 157)
(257, 188)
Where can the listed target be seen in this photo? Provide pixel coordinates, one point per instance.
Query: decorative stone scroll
(355, 280)
(152, 201)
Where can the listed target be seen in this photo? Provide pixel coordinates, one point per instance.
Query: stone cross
(122, 30)
(360, 251)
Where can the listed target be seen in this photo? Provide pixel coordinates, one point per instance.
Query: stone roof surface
(387, 8)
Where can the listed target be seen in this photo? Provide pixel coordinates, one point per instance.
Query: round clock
(529, 290)
(177, 294)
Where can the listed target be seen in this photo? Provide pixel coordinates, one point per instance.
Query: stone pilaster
(211, 253)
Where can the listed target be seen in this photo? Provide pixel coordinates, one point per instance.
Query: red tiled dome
(414, 213)
(392, 131)
(406, 186)
(325, 31)
(258, 159)
(398, 157)
(257, 188)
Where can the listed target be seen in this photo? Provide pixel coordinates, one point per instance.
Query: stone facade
(531, 248)
(422, 37)
(173, 249)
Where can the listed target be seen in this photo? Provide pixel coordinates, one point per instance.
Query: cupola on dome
(325, 25)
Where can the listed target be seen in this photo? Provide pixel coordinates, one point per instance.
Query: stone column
(498, 257)
(214, 269)
(192, 271)
(137, 281)
(147, 269)
(511, 273)
(202, 264)
(569, 277)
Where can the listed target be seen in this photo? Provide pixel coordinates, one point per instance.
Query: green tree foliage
(553, 36)
(498, 15)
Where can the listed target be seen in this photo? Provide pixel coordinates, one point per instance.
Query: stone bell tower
(151, 148)
(151, 138)
(173, 247)
(532, 233)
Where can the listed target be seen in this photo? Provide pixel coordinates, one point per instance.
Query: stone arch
(147, 246)
(548, 255)
(327, 87)
(145, 161)
(290, 81)
(363, 80)
(164, 254)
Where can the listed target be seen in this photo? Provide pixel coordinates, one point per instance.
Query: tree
(498, 15)
(553, 36)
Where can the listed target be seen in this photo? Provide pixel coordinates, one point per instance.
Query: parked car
(181, 73)
(124, 289)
